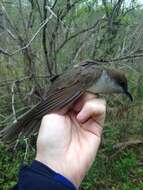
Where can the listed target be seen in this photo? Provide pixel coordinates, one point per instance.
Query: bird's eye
(122, 83)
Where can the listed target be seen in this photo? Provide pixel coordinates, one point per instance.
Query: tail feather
(10, 133)
(30, 122)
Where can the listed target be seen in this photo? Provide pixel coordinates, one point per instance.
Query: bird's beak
(129, 95)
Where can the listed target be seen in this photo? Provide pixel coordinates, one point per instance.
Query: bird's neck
(104, 84)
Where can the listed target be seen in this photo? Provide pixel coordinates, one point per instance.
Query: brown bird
(64, 91)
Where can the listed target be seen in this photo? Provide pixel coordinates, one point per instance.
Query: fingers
(93, 108)
(77, 106)
(81, 101)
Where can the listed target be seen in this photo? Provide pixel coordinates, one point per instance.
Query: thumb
(93, 109)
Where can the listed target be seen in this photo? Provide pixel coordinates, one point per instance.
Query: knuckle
(89, 105)
(96, 105)
(48, 117)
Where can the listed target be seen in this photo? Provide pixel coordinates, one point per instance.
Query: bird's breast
(105, 85)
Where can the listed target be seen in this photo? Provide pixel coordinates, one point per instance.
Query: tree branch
(4, 52)
(77, 34)
(12, 101)
(44, 41)
(54, 4)
(126, 57)
(39, 10)
(34, 36)
(122, 146)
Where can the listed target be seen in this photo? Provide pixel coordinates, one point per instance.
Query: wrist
(63, 169)
(49, 177)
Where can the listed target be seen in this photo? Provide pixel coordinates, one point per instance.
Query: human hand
(68, 141)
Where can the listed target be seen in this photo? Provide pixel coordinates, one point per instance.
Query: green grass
(121, 173)
(124, 171)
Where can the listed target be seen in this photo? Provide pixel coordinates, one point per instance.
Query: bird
(65, 89)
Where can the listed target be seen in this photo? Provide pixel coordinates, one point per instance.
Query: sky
(138, 1)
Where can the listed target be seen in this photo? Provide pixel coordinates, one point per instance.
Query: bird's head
(120, 82)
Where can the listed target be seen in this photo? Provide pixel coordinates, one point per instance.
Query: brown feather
(32, 119)
(65, 90)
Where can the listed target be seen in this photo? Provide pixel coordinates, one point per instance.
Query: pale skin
(68, 140)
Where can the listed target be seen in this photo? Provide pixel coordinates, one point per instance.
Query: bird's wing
(29, 122)
(57, 100)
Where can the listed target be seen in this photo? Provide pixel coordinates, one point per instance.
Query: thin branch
(126, 57)
(4, 11)
(77, 34)
(12, 101)
(44, 39)
(127, 143)
(17, 141)
(54, 4)
(116, 9)
(122, 146)
(26, 148)
(70, 8)
(104, 2)
(4, 52)
(34, 36)
(133, 8)
(79, 49)
(52, 12)
(31, 19)
(39, 10)
(22, 17)
(9, 32)
(10, 82)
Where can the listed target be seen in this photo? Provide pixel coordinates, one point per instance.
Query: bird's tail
(29, 122)
(22, 128)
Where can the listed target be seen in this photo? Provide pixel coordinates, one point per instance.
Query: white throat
(105, 85)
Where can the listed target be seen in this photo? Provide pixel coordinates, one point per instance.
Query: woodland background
(41, 38)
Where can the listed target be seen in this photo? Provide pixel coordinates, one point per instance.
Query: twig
(39, 10)
(4, 52)
(54, 4)
(5, 175)
(44, 40)
(34, 36)
(69, 8)
(10, 81)
(139, 82)
(22, 17)
(12, 101)
(127, 143)
(126, 57)
(54, 14)
(133, 8)
(26, 149)
(9, 20)
(22, 79)
(31, 19)
(119, 58)
(17, 141)
(10, 33)
(78, 49)
(122, 146)
(77, 34)
(2, 116)
(13, 95)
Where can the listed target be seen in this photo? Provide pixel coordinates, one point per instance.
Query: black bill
(129, 95)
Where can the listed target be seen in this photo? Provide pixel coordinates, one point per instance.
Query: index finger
(93, 108)
(81, 101)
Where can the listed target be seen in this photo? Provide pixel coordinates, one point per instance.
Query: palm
(70, 143)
